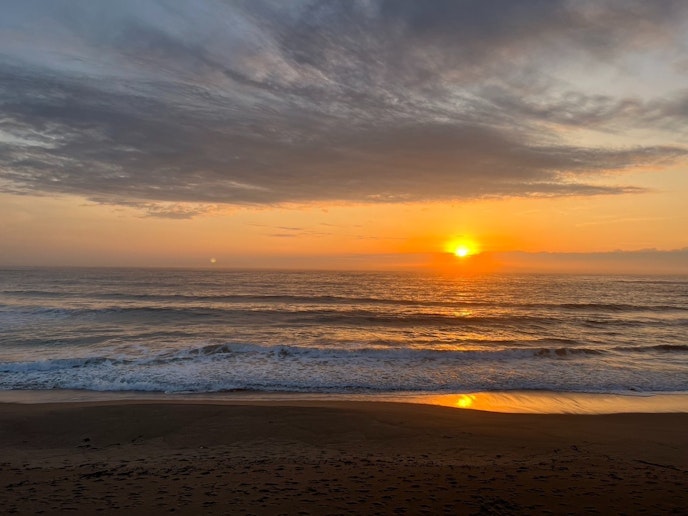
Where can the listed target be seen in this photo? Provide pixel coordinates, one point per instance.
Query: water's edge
(517, 402)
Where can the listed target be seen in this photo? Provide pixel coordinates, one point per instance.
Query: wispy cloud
(156, 103)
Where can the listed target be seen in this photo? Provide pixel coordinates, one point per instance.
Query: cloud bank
(647, 261)
(257, 102)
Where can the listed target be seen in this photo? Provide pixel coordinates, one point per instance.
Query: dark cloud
(141, 103)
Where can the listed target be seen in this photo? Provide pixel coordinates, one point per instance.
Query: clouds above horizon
(143, 103)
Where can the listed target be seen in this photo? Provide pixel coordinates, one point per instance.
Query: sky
(373, 134)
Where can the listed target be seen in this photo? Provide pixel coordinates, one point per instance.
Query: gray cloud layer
(267, 102)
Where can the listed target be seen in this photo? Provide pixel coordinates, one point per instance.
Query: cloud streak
(257, 103)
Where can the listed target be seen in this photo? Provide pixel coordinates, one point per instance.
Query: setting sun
(462, 247)
(465, 255)
(462, 251)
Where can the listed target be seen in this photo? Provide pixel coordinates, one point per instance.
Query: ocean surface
(203, 331)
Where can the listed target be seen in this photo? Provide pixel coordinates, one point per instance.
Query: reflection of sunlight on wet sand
(523, 402)
(465, 401)
(560, 403)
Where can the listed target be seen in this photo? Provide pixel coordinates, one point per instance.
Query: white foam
(219, 367)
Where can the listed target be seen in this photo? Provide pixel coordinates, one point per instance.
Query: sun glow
(462, 248)
(462, 251)
(465, 255)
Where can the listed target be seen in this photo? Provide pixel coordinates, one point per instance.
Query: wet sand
(320, 457)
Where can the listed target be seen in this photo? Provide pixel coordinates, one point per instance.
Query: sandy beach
(335, 458)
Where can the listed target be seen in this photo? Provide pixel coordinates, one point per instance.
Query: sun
(465, 254)
(462, 247)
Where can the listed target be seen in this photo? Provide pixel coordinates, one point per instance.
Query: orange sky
(72, 231)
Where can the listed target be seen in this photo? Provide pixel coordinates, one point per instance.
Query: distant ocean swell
(184, 300)
(355, 316)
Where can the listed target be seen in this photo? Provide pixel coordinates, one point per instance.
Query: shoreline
(334, 457)
(512, 402)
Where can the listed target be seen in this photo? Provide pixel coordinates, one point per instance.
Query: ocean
(213, 331)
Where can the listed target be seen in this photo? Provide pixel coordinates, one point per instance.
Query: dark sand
(335, 458)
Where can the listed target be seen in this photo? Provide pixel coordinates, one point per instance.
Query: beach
(335, 457)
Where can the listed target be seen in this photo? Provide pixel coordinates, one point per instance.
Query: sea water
(210, 331)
